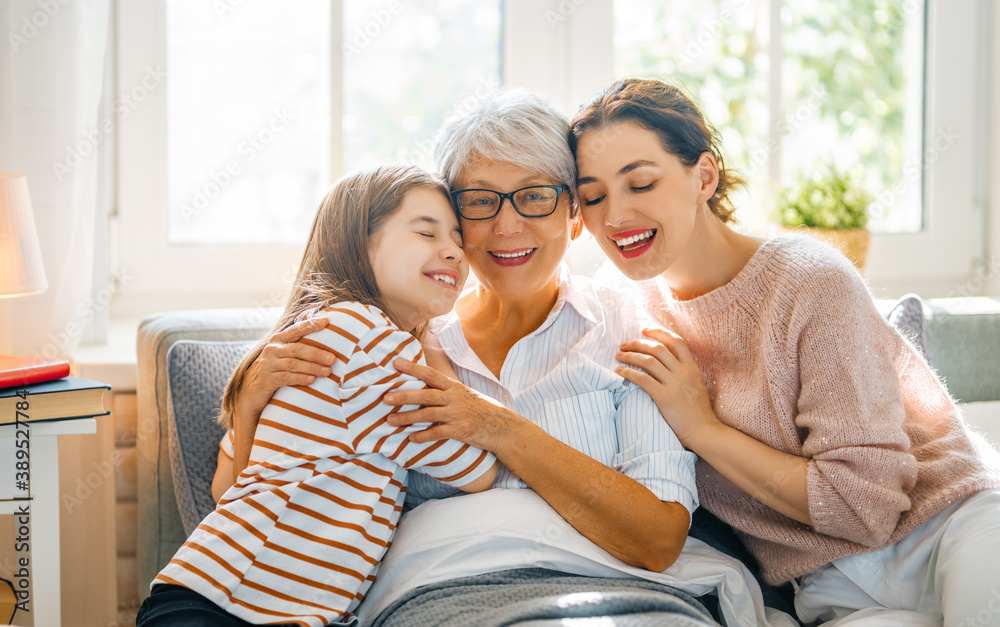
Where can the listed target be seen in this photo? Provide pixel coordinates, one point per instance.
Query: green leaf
(825, 198)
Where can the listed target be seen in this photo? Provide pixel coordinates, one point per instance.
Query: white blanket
(500, 530)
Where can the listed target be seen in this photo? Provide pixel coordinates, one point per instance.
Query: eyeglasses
(536, 201)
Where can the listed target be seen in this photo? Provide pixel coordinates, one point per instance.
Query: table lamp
(21, 271)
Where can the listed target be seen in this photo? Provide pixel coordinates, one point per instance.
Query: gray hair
(515, 126)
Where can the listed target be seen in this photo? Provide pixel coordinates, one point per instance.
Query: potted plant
(829, 205)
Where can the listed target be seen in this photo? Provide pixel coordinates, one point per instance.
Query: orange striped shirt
(300, 535)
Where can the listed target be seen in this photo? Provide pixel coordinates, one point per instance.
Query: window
(248, 126)
(866, 83)
(846, 89)
(429, 60)
(249, 110)
(263, 106)
(870, 82)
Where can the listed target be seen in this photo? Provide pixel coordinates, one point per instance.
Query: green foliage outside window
(853, 52)
(827, 199)
(854, 49)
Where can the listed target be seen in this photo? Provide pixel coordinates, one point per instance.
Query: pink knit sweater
(795, 354)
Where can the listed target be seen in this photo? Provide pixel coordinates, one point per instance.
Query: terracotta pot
(852, 242)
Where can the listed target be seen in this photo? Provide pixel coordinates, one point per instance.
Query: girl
(299, 537)
(823, 437)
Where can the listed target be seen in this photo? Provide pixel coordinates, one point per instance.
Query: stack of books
(38, 392)
(36, 388)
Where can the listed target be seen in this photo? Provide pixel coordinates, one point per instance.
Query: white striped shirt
(228, 444)
(299, 537)
(562, 377)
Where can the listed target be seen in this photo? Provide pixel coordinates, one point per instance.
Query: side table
(45, 604)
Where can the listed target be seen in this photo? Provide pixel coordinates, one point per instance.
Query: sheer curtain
(51, 76)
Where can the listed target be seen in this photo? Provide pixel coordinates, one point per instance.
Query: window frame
(564, 50)
(165, 276)
(950, 246)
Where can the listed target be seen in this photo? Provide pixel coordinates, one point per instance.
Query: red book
(22, 370)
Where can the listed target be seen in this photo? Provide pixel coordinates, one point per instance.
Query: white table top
(68, 426)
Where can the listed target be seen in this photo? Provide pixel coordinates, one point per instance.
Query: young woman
(822, 436)
(299, 537)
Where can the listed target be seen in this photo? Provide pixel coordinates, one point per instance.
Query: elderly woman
(534, 350)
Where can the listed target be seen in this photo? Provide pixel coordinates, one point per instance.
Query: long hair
(336, 265)
(670, 113)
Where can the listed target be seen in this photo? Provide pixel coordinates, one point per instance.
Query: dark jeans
(170, 606)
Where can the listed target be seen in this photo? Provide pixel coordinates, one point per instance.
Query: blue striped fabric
(562, 377)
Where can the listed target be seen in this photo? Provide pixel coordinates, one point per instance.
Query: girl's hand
(435, 355)
(669, 374)
(457, 412)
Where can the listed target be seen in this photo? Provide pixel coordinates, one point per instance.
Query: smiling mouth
(444, 278)
(522, 253)
(635, 242)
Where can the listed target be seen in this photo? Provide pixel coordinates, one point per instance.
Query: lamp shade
(21, 270)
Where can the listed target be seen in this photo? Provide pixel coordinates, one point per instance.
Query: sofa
(184, 358)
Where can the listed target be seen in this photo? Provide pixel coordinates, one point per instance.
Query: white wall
(993, 166)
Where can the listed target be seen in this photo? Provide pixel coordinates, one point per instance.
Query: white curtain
(51, 80)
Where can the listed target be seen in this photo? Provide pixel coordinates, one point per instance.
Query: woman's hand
(284, 361)
(669, 374)
(458, 412)
(614, 511)
(672, 379)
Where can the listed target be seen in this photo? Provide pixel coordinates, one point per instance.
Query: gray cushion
(963, 335)
(197, 373)
(908, 317)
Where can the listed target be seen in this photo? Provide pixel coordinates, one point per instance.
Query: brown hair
(669, 112)
(336, 265)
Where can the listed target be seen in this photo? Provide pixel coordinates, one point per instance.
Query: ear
(707, 171)
(577, 228)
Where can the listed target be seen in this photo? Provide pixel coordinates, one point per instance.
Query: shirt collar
(574, 291)
(578, 293)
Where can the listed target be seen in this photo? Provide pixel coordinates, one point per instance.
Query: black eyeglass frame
(508, 196)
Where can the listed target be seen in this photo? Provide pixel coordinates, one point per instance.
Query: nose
(617, 212)
(507, 221)
(451, 251)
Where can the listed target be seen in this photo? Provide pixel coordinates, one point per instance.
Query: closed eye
(593, 201)
(425, 234)
(645, 188)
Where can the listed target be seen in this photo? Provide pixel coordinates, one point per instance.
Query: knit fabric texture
(535, 597)
(795, 354)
